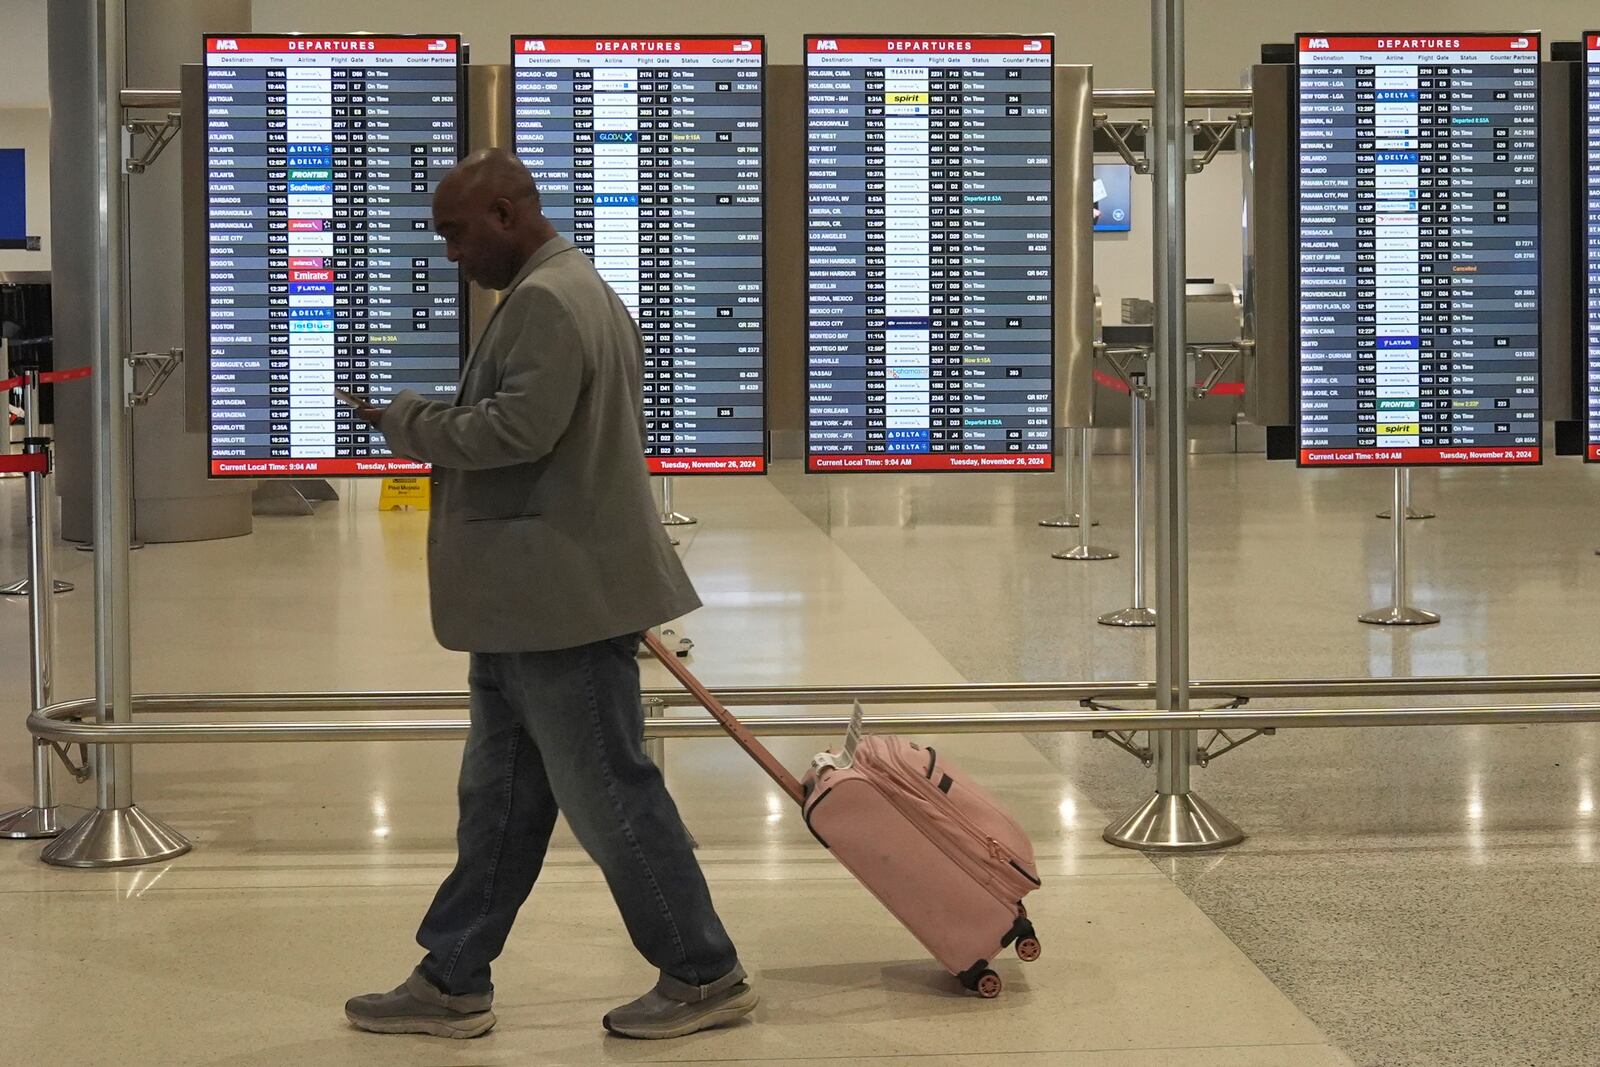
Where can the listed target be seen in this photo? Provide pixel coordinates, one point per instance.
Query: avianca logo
(226, 46)
(827, 46)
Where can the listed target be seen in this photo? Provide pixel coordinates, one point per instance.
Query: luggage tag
(846, 756)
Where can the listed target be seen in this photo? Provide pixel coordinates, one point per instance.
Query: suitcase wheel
(988, 985)
(1029, 949)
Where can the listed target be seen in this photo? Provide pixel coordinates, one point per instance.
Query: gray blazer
(543, 532)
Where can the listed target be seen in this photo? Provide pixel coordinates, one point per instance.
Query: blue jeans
(563, 732)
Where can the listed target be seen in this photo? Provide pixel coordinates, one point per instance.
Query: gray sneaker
(677, 1009)
(416, 1007)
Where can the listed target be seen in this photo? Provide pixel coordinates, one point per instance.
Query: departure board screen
(1418, 230)
(1591, 214)
(649, 152)
(930, 243)
(323, 269)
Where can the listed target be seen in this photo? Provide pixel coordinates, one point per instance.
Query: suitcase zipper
(997, 851)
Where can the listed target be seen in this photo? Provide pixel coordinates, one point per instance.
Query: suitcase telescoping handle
(736, 729)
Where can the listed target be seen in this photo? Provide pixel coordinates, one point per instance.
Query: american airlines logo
(226, 46)
(827, 46)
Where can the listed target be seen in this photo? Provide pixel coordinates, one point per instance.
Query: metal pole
(1068, 519)
(668, 516)
(1174, 818)
(116, 833)
(230, 731)
(43, 818)
(41, 507)
(1412, 511)
(1084, 550)
(1399, 612)
(1140, 614)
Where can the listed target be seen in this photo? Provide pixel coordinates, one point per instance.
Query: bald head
(487, 211)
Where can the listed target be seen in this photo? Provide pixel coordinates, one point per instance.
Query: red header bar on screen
(932, 46)
(707, 464)
(332, 46)
(1594, 453)
(962, 461)
(1403, 457)
(636, 46)
(303, 468)
(1419, 42)
(1593, 40)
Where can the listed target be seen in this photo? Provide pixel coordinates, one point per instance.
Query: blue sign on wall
(13, 195)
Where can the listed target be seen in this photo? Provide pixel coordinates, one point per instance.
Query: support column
(1174, 818)
(87, 72)
(174, 500)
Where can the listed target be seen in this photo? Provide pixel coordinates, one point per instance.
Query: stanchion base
(1090, 552)
(1129, 617)
(22, 586)
(29, 823)
(1171, 822)
(675, 519)
(1064, 522)
(1399, 616)
(1412, 514)
(120, 837)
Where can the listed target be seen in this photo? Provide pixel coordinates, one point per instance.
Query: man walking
(546, 561)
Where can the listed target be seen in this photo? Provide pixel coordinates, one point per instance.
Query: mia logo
(226, 46)
(533, 46)
(438, 46)
(827, 46)
(1319, 42)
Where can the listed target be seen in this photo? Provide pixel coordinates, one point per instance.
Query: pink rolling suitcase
(935, 849)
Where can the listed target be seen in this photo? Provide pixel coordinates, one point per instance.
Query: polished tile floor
(1406, 897)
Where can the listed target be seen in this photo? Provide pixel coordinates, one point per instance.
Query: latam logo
(225, 46)
(827, 46)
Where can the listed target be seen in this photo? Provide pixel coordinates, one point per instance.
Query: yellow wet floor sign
(402, 494)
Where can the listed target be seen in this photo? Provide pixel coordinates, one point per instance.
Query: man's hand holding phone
(365, 409)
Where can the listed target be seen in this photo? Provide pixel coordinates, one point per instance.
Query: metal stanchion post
(1068, 519)
(1175, 818)
(116, 834)
(41, 507)
(1412, 511)
(44, 817)
(1140, 614)
(1084, 550)
(668, 516)
(1399, 612)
